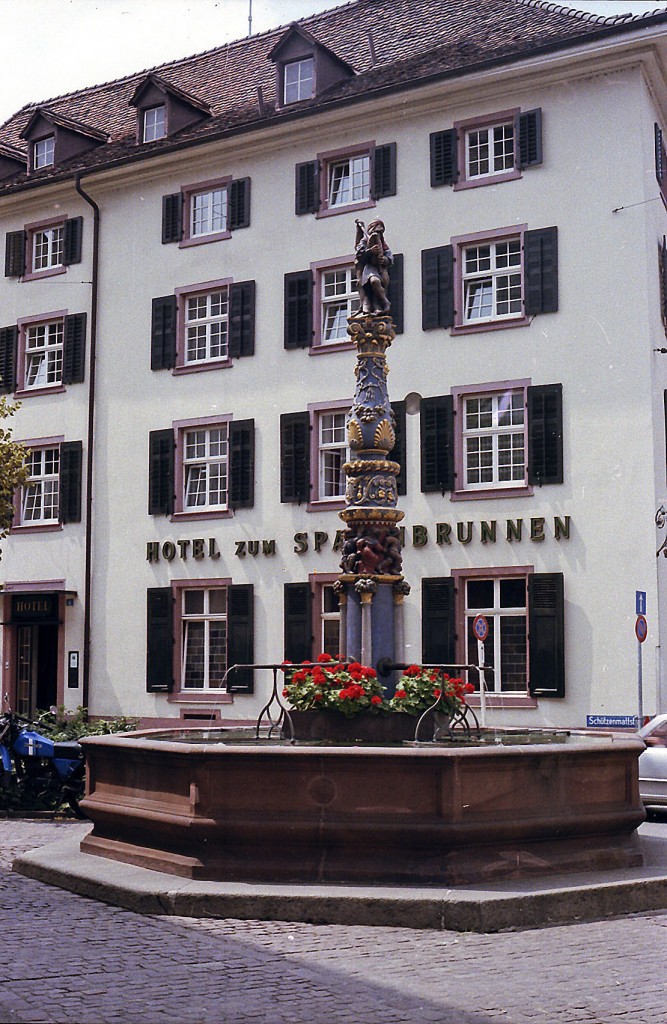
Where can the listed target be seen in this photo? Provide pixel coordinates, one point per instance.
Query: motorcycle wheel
(72, 799)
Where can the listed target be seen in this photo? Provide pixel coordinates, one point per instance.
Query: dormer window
(305, 68)
(44, 151)
(299, 80)
(163, 109)
(53, 138)
(155, 123)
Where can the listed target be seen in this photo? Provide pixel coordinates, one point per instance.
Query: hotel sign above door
(34, 607)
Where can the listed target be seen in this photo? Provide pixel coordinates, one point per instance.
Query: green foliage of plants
(73, 725)
(13, 469)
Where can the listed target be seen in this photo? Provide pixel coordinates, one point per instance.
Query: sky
(113, 38)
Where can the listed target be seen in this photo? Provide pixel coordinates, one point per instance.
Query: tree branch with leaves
(13, 468)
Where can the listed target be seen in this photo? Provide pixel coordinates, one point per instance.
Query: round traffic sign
(641, 628)
(480, 627)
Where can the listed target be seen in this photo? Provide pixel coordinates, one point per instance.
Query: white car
(653, 763)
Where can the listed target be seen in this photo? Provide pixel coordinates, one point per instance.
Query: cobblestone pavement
(71, 960)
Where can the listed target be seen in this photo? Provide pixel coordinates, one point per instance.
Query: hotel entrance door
(36, 668)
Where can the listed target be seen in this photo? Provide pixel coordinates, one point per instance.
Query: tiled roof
(388, 43)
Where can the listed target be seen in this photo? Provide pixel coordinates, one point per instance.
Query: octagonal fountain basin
(212, 804)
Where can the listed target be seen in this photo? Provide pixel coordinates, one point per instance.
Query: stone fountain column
(371, 586)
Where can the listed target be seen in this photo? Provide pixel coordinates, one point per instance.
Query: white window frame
(40, 496)
(496, 282)
(43, 344)
(339, 299)
(154, 121)
(44, 152)
(493, 647)
(207, 619)
(298, 86)
(501, 417)
(212, 326)
(326, 616)
(500, 157)
(348, 180)
(203, 463)
(213, 219)
(331, 454)
(47, 248)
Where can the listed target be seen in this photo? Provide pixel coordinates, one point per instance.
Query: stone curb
(531, 903)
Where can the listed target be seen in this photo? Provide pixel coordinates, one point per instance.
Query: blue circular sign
(641, 628)
(480, 627)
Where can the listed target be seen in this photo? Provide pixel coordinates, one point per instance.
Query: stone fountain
(227, 805)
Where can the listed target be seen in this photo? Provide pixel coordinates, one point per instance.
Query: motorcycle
(42, 771)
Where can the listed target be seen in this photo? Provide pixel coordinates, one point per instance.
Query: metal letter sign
(640, 602)
(641, 628)
(480, 627)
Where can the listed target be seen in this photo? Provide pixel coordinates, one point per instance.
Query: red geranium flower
(437, 692)
(412, 670)
(324, 657)
(376, 699)
(400, 694)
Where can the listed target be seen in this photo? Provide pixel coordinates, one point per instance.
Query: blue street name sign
(611, 721)
(640, 602)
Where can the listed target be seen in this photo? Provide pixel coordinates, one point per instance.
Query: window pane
(513, 652)
(193, 670)
(193, 602)
(480, 594)
(217, 602)
(331, 637)
(217, 655)
(513, 593)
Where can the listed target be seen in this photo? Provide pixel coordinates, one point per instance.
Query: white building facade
(178, 275)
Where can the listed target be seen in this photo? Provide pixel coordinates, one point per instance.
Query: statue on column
(373, 257)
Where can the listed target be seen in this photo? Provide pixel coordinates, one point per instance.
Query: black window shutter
(307, 188)
(529, 135)
(8, 343)
(242, 463)
(242, 319)
(238, 213)
(70, 481)
(399, 453)
(72, 237)
(172, 218)
(546, 635)
(541, 271)
(298, 622)
(383, 171)
(163, 333)
(437, 287)
(161, 472)
(15, 254)
(159, 640)
(545, 434)
(240, 637)
(444, 158)
(438, 621)
(436, 417)
(660, 168)
(295, 456)
(298, 309)
(74, 348)
(395, 293)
